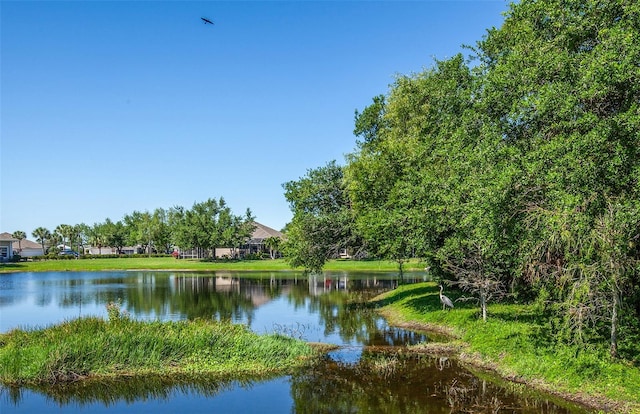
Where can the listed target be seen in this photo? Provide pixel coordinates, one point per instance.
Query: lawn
(169, 263)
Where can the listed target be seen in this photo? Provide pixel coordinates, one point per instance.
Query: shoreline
(460, 350)
(457, 351)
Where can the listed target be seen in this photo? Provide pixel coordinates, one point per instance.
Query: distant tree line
(205, 226)
(515, 173)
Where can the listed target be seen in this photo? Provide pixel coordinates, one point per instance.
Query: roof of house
(7, 237)
(264, 232)
(26, 244)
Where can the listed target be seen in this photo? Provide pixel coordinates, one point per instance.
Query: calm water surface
(366, 375)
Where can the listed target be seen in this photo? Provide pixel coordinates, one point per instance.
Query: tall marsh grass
(120, 346)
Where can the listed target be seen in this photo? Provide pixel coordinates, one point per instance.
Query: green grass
(96, 348)
(514, 341)
(169, 263)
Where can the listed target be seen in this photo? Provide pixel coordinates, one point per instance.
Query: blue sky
(108, 107)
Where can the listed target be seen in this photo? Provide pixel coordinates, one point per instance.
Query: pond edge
(459, 350)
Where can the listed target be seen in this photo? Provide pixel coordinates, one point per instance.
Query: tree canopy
(515, 170)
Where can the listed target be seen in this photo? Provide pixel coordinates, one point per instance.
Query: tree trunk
(483, 305)
(614, 325)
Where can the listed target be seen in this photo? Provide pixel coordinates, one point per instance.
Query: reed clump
(92, 347)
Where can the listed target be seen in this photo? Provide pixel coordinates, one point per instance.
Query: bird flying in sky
(206, 21)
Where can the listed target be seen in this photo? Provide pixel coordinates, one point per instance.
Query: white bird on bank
(445, 300)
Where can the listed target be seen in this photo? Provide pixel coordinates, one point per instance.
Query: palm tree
(97, 236)
(19, 235)
(273, 244)
(66, 231)
(42, 235)
(78, 236)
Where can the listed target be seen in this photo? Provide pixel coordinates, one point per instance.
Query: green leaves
(208, 225)
(322, 220)
(530, 157)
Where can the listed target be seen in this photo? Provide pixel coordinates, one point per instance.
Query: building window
(4, 252)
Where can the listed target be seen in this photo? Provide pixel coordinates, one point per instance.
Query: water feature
(366, 374)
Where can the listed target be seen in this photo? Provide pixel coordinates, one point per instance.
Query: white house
(6, 247)
(27, 248)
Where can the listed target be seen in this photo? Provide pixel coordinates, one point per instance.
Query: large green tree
(98, 236)
(561, 90)
(408, 180)
(235, 230)
(151, 230)
(521, 172)
(208, 225)
(322, 221)
(115, 234)
(140, 229)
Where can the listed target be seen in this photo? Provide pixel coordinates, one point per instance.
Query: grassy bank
(513, 342)
(95, 348)
(169, 263)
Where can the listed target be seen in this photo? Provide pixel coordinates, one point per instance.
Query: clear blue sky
(108, 107)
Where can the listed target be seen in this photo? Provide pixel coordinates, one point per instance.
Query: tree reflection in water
(128, 390)
(384, 382)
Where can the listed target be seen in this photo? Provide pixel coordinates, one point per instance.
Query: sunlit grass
(93, 347)
(169, 263)
(514, 341)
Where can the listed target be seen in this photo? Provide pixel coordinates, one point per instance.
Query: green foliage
(208, 225)
(18, 235)
(369, 123)
(42, 236)
(532, 157)
(273, 244)
(92, 347)
(322, 221)
(150, 230)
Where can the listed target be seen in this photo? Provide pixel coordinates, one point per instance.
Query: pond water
(368, 373)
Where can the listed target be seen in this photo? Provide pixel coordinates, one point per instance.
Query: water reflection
(127, 390)
(316, 308)
(365, 374)
(397, 383)
(153, 395)
(381, 382)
